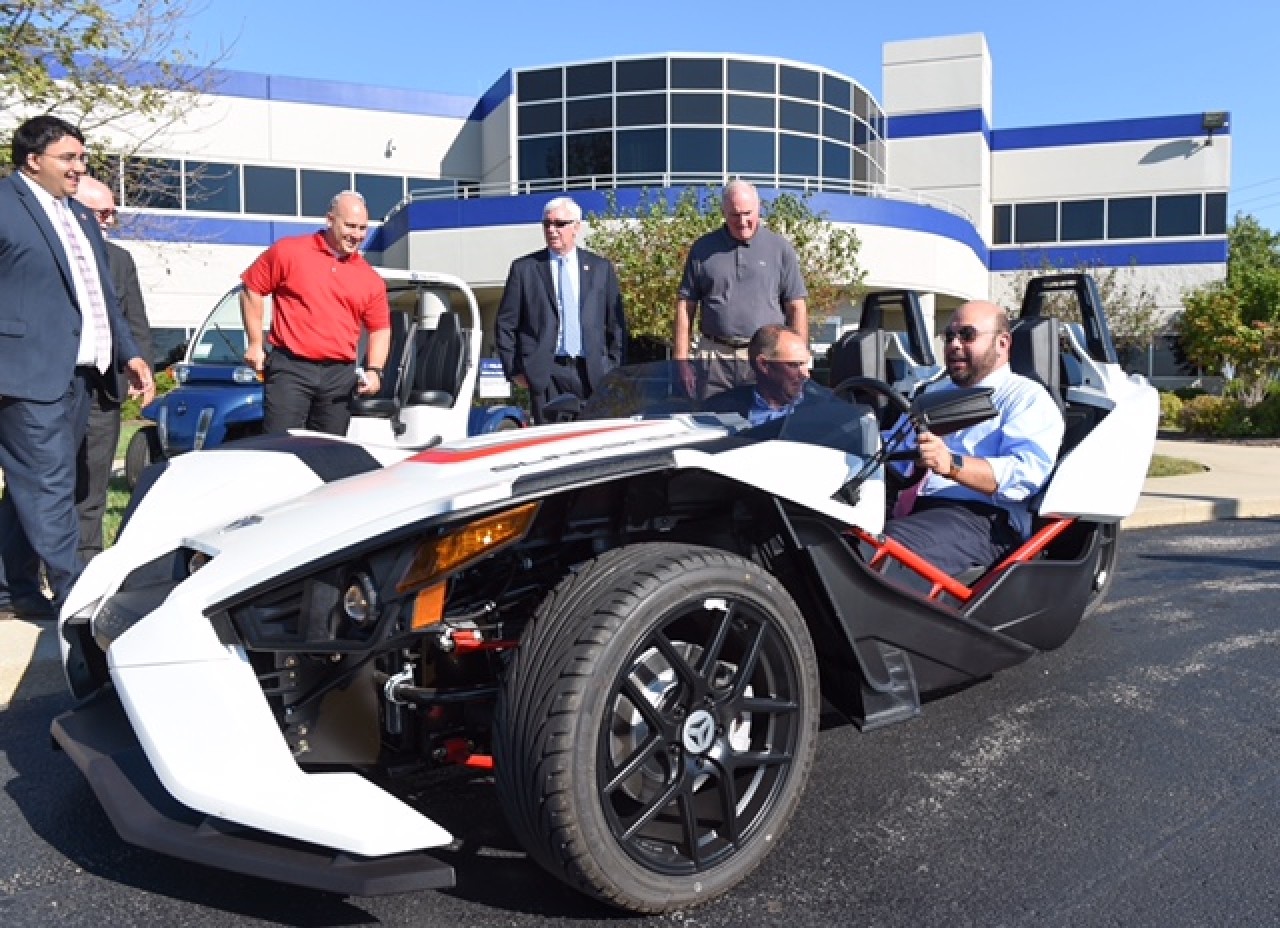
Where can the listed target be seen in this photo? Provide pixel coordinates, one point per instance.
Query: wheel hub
(699, 732)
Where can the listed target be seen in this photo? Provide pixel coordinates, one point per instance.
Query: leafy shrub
(132, 408)
(1266, 415)
(1212, 415)
(1170, 410)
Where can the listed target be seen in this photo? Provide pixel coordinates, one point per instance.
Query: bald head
(97, 196)
(976, 342)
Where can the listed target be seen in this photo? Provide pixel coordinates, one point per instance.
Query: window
(589, 80)
(539, 85)
(213, 186)
(696, 151)
(381, 193)
(751, 111)
(836, 92)
(697, 73)
(862, 106)
(797, 82)
(1083, 221)
(798, 156)
(698, 108)
(541, 159)
(540, 119)
(590, 153)
(153, 183)
(861, 170)
(835, 124)
(645, 74)
(1129, 217)
(751, 152)
(798, 117)
(648, 109)
(753, 76)
(431, 186)
(835, 162)
(642, 151)
(1002, 226)
(319, 188)
(1215, 214)
(589, 114)
(1035, 222)
(270, 191)
(1178, 215)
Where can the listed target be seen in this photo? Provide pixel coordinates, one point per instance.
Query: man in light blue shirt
(972, 509)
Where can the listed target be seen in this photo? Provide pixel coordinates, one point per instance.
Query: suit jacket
(40, 318)
(528, 322)
(124, 277)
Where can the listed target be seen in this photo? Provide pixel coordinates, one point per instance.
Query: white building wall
(938, 76)
(1118, 168)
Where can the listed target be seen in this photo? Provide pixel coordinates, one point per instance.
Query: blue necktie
(570, 324)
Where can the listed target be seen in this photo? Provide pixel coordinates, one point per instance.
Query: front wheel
(657, 725)
(143, 449)
(1104, 571)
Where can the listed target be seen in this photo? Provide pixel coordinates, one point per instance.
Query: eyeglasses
(794, 365)
(69, 157)
(966, 333)
(557, 223)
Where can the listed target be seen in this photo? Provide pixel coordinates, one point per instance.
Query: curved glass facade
(686, 119)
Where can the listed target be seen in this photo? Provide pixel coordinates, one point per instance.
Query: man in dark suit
(98, 450)
(560, 325)
(61, 333)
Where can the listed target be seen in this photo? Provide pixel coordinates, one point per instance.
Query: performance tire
(657, 725)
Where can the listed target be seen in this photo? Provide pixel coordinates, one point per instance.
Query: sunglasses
(557, 223)
(966, 333)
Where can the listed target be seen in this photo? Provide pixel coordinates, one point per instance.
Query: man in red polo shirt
(323, 292)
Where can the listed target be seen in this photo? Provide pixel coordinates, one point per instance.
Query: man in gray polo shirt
(742, 276)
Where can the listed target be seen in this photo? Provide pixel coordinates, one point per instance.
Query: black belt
(297, 357)
(735, 343)
(567, 359)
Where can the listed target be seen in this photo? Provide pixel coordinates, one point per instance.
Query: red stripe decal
(461, 455)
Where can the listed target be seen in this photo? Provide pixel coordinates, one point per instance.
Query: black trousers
(955, 535)
(93, 470)
(304, 394)
(568, 375)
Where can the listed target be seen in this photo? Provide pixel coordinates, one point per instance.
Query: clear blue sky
(1068, 62)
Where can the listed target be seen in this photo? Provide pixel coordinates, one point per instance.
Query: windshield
(221, 338)
(726, 394)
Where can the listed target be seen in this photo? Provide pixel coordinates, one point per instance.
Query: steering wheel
(849, 391)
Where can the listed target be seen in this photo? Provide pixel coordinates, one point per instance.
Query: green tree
(123, 71)
(648, 244)
(1232, 326)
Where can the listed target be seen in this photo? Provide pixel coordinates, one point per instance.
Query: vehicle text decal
(461, 455)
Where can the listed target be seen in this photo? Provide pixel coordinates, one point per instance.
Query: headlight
(360, 601)
(439, 557)
(181, 372)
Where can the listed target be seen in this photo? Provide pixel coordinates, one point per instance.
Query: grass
(1164, 466)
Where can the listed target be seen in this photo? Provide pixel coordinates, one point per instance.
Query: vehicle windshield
(814, 415)
(221, 339)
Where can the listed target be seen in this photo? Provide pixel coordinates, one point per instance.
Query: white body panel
(1076, 489)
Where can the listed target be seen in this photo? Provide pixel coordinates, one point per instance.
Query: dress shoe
(29, 608)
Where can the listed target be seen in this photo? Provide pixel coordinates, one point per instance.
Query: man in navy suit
(560, 325)
(61, 335)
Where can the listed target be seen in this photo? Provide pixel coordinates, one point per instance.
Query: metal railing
(803, 185)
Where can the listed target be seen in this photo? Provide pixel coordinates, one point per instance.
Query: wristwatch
(957, 462)
(373, 370)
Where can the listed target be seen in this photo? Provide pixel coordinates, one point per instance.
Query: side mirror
(945, 411)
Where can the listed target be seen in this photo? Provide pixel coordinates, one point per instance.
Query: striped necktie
(87, 271)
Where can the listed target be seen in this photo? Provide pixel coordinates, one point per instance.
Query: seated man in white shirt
(972, 507)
